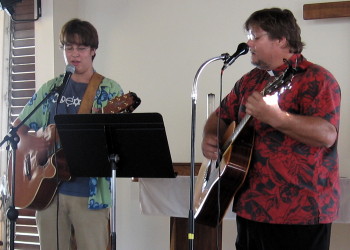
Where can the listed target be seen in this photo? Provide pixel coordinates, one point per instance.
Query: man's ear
(283, 43)
(93, 52)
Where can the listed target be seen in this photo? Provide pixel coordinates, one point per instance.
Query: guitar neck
(236, 132)
(282, 80)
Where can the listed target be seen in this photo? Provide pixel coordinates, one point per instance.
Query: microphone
(242, 49)
(70, 69)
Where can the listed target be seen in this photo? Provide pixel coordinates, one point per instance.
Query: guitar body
(35, 184)
(216, 186)
(219, 184)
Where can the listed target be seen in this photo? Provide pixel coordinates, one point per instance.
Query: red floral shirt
(289, 182)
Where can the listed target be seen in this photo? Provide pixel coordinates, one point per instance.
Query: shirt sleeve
(40, 117)
(321, 95)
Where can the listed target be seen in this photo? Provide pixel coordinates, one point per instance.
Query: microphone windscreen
(70, 68)
(243, 48)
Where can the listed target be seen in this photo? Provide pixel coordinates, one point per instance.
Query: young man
(81, 203)
(291, 193)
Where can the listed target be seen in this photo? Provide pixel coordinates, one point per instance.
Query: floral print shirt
(289, 182)
(99, 186)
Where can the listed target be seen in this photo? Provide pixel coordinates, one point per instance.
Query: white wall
(154, 48)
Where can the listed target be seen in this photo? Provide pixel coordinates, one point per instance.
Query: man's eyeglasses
(254, 37)
(71, 48)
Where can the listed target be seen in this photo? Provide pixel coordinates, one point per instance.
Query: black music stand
(115, 145)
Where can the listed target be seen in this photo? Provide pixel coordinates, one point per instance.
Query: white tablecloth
(170, 197)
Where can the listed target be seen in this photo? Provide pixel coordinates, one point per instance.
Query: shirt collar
(294, 61)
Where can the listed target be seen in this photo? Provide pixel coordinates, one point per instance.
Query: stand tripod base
(12, 215)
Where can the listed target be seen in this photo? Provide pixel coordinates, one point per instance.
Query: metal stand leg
(113, 160)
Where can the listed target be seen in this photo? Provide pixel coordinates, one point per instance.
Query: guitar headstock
(126, 103)
(281, 81)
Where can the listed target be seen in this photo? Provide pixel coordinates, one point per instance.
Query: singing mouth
(75, 63)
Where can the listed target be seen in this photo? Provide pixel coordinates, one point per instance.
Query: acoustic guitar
(36, 183)
(218, 182)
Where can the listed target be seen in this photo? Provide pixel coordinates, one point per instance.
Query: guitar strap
(88, 98)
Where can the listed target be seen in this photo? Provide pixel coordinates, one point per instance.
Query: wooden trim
(184, 168)
(180, 169)
(326, 10)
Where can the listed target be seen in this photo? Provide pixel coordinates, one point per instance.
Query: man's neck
(84, 77)
(280, 60)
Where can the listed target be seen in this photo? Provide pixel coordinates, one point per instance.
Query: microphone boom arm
(223, 57)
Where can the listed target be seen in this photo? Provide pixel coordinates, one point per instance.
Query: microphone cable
(219, 153)
(56, 147)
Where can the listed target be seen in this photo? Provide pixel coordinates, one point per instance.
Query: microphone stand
(13, 139)
(224, 57)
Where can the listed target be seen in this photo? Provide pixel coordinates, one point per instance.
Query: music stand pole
(193, 127)
(113, 158)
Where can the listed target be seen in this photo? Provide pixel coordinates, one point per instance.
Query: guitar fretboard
(237, 131)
